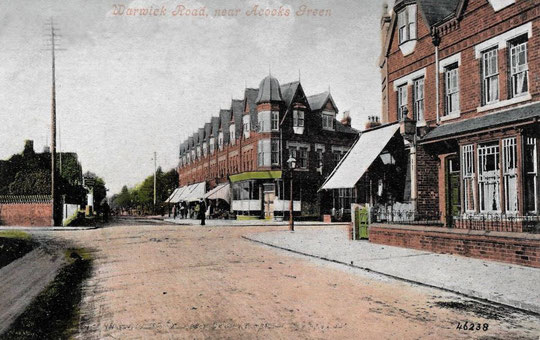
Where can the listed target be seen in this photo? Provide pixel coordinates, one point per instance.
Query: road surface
(157, 281)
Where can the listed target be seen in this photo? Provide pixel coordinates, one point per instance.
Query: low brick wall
(516, 248)
(25, 214)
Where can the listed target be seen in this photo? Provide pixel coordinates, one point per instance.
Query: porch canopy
(361, 155)
(193, 192)
(222, 191)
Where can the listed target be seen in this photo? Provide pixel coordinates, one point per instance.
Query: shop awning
(172, 196)
(356, 162)
(177, 195)
(193, 192)
(222, 191)
(255, 175)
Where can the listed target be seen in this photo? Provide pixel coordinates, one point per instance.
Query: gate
(360, 221)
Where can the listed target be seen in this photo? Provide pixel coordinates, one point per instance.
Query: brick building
(245, 150)
(460, 107)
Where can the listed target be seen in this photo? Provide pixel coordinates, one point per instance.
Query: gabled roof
(318, 101)
(196, 138)
(190, 142)
(250, 97)
(434, 13)
(201, 135)
(207, 131)
(215, 126)
(437, 11)
(505, 117)
(237, 108)
(225, 119)
(288, 91)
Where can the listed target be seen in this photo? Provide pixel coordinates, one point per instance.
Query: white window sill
(451, 116)
(421, 123)
(503, 103)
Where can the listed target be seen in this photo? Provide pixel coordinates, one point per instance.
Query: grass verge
(13, 245)
(54, 313)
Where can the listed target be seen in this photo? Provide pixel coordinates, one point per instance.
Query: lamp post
(292, 164)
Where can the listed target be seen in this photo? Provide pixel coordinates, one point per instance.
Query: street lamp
(292, 164)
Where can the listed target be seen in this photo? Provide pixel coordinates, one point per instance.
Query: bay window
(407, 24)
(531, 175)
(510, 174)
(489, 177)
(467, 168)
(275, 120)
(275, 152)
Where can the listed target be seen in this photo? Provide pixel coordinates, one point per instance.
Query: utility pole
(155, 181)
(54, 194)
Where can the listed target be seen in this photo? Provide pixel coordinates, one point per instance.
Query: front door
(269, 198)
(453, 202)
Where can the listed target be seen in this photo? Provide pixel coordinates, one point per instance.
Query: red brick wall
(516, 248)
(427, 181)
(26, 214)
(479, 23)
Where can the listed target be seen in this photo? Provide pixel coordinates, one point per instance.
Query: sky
(132, 85)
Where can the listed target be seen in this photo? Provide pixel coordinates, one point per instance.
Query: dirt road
(175, 282)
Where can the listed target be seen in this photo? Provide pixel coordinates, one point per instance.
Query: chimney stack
(373, 121)
(346, 119)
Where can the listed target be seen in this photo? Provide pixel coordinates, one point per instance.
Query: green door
(361, 221)
(453, 202)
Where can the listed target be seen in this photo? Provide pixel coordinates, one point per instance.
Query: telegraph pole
(155, 170)
(54, 193)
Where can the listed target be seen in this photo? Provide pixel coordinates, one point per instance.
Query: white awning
(194, 192)
(356, 162)
(172, 196)
(222, 191)
(177, 196)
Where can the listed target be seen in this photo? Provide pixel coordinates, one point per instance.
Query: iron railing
(497, 222)
(407, 217)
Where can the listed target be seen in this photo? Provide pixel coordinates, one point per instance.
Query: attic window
(232, 134)
(407, 24)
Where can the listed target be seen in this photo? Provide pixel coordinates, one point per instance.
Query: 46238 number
(471, 326)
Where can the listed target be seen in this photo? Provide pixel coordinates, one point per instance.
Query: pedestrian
(105, 210)
(175, 211)
(202, 211)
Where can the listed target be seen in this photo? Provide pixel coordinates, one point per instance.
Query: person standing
(202, 211)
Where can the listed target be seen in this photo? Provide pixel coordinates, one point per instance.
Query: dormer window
(205, 149)
(407, 24)
(328, 120)
(298, 121)
(220, 140)
(247, 125)
(212, 145)
(232, 134)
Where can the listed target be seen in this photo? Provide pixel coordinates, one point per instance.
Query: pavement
(511, 285)
(250, 223)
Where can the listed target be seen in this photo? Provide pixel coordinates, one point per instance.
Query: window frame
(419, 103)
(515, 71)
(401, 96)
(490, 57)
(274, 120)
(451, 92)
